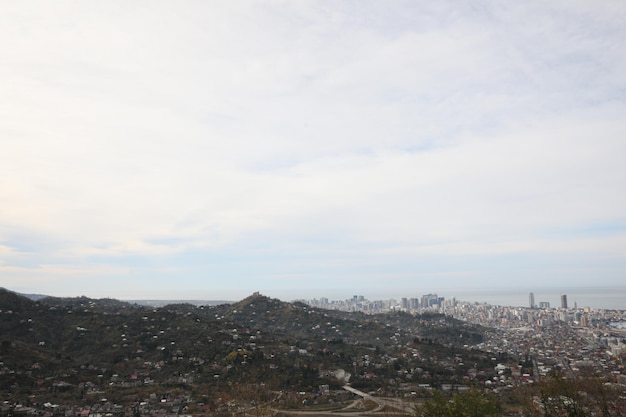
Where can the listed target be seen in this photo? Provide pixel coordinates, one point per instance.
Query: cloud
(153, 131)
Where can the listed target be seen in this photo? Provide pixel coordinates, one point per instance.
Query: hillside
(126, 350)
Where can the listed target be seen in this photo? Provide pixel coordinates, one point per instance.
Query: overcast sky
(210, 149)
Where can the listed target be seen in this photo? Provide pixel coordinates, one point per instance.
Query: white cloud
(152, 129)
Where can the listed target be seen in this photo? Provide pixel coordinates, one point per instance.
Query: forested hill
(298, 319)
(84, 339)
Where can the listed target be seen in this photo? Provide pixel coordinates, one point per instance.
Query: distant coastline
(604, 298)
(608, 298)
(161, 303)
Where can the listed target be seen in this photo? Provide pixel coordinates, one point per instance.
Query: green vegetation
(468, 404)
(262, 354)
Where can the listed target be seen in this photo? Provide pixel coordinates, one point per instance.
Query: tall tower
(531, 300)
(563, 300)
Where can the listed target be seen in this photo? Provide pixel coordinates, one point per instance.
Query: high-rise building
(563, 300)
(429, 300)
(531, 300)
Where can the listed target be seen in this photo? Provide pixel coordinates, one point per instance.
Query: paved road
(397, 403)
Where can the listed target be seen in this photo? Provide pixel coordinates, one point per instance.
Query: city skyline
(210, 150)
(596, 298)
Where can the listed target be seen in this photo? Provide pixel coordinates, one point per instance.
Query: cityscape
(367, 357)
(561, 336)
(433, 302)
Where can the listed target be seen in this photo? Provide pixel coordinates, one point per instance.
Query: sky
(211, 149)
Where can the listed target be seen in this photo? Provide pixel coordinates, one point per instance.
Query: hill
(126, 350)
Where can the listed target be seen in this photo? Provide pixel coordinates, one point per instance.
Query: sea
(608, 298)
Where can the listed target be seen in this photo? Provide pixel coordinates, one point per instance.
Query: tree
(472, 403)
(578, 397)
